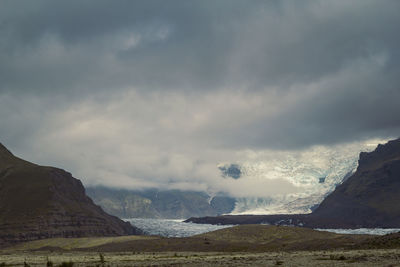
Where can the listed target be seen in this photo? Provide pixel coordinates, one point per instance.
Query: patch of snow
(360, 231)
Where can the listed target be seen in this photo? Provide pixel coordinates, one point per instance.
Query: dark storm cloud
(179, 43)
(54, 45)
(359, 102)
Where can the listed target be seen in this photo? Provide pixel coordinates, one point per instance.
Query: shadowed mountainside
(169, 204)
(369, 198)
(39, 202)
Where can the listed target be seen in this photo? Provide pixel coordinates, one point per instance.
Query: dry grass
(76, 243)
(244, 238)
(267, 233)
(363, 258)
(246, 245)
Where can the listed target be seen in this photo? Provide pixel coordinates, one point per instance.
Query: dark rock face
(232, 170)
(42, 202)
(371, 196)
(368, 198)
(169, 204)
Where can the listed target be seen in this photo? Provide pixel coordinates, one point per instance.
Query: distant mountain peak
(7, 159)
(382, 153)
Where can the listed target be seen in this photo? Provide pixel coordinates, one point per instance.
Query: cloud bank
(157, 93)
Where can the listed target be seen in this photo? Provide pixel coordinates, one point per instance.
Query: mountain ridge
(40, 202)
(371, 195)
(163, 204)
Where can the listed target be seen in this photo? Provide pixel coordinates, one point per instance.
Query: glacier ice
(172, 228)
(315, 171)
(178, 228)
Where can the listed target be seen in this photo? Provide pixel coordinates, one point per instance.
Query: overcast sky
(157, 93)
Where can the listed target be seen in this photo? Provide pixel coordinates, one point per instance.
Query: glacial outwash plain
(247, 245)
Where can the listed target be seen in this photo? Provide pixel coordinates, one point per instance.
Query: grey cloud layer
(201, 45)
(193, 80)
(347, 51)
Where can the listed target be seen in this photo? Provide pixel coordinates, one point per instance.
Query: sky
(139, 94)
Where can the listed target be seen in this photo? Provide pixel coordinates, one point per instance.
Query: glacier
(315, 171)
(172, 228)
(178, 228)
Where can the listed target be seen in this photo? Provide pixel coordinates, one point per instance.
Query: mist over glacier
(315, 172)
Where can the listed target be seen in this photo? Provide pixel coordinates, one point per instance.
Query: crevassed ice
(316, 171)
(172, 228)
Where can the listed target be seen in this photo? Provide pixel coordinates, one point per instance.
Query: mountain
(317, 171)
(371, 196)
(368, 198)
(169, 204)
(41, 202)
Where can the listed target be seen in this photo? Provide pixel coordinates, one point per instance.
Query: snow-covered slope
(315, 171)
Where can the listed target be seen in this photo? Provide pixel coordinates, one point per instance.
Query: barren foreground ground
(245, 245)
(300, 258)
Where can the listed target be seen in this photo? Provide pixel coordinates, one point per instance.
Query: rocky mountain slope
(169, 204)
(41, 202)
(369, 198)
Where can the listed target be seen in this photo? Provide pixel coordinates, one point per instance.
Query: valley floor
(372, 257)
(244, 245)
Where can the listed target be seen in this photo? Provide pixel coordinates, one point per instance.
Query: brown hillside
(370, 197)
(41, 202)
